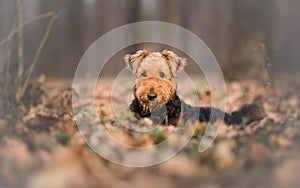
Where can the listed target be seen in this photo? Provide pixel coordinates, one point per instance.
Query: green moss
(62, 137)
(104, 121)
(158, 136)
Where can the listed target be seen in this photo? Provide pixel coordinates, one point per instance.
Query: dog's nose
(151, 96)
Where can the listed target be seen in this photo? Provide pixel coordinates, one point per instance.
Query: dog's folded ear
(176, 63)
(133, 60)
(127, 60)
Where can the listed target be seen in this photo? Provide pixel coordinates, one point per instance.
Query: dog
(155, 93)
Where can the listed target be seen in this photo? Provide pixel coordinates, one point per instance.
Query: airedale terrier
(155, 95)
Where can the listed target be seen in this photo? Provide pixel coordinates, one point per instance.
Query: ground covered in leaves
(40, 145)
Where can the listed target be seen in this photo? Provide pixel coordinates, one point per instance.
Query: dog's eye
(162, 74)
(144, 74)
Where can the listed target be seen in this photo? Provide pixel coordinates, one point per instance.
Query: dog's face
(155, 76)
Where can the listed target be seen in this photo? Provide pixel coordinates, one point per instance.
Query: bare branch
(22, 87)
(7, 75)
(20, 41)
(15, 31)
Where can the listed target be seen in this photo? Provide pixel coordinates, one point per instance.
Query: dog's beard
(155, 110)
(158, 111)
(155, 105)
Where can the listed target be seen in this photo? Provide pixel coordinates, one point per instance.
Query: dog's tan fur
(163, 88)
(154, 72)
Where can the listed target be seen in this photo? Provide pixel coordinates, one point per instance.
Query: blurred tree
(231, 28)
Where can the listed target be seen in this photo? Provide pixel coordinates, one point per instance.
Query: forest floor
(41, 146)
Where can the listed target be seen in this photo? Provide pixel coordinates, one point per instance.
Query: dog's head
(155, 76)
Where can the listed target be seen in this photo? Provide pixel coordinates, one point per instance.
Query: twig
(7, 77)
(2, 68)
(83, 103)
(22, 87)
(15, 31)
(20, 41)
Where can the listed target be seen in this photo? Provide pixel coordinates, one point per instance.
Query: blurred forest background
(232, 29)
(41, 145)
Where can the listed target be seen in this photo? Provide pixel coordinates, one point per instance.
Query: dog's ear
(176, 63)
(127, 58)
(133, 61)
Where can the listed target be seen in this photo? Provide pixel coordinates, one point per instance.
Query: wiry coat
(155, 93)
